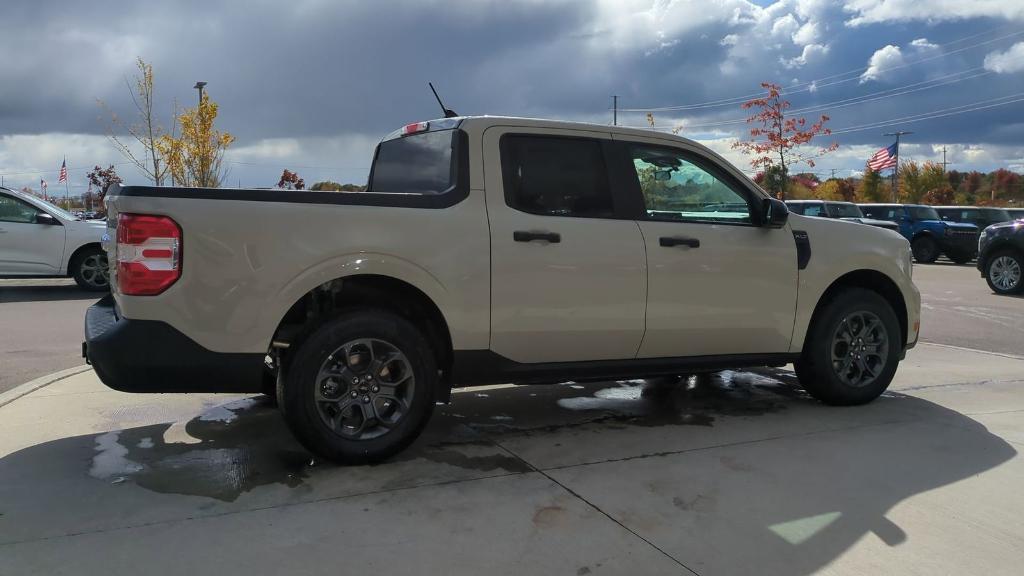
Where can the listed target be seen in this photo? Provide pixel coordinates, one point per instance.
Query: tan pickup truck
(491, 250)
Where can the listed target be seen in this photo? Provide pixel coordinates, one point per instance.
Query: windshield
(996, 214)
(54, 209)
(418, 164)
(844, 211)
(923, 213)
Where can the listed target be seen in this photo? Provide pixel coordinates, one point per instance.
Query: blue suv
(928, 234)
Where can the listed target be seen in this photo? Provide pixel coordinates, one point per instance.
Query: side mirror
(774, 213)
(44, 218)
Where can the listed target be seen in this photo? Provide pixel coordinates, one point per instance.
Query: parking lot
(738, 472)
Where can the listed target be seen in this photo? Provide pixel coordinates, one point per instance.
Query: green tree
(941, 196)
(871, 187)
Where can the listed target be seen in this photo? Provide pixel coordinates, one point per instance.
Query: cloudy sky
(311, 85)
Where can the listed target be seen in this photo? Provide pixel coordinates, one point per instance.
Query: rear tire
(925, 249)
(360, 388)
(852, 349)
(90, 270)
(1004, 272)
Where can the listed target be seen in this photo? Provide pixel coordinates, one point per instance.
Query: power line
(864, 98)
(806, 86)
(942, 113)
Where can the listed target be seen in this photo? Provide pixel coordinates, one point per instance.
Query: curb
(41, 382)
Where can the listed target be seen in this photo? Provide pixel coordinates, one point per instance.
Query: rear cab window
(424, 162)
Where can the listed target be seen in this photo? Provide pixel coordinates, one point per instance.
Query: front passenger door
(718, 283)
(27, 247)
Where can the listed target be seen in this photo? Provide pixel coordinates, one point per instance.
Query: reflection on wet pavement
(234, 447)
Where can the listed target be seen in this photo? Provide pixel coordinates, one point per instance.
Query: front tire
(852, 349)
(1003, 272)
(360, 388)
(925, 249)
(90, 270)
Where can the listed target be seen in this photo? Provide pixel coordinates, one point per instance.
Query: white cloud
(785, 26)
(923, 44)
(1007, 62)
(881, 11)
(729, 40)
(807, 34)
(811, 53)
(881, 61)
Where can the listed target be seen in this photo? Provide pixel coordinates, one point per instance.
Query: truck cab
(929, 235)
(982, 217)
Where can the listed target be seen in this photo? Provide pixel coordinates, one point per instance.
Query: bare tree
(145, 131)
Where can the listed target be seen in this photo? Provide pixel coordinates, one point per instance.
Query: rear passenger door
(568, 272)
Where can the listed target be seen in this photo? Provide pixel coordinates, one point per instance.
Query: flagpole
(67, 193)
(896, 169)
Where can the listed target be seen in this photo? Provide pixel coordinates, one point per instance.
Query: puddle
(231, 448)
(688, 401)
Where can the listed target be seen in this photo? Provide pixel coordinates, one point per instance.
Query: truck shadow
(44, 293)
(238, 447)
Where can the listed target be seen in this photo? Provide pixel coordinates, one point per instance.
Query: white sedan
(38, 239)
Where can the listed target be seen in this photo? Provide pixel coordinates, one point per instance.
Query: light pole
(199, 86)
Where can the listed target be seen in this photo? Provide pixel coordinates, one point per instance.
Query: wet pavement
(734, 472)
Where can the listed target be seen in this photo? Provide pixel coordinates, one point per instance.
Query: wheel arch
(367, 291)
(874, 281)
(73, 259)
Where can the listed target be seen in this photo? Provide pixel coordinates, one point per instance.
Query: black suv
(980, 217)
(1001, 257)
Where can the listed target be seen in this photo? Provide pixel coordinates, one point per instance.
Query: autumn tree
(1006, 185)
(330, 186)
(102, 179)
(941, 196)
(146, 131)
(916, 180)
(777, 141)
(290, 181)
(871, 188)
(195, 158)
(838, 189)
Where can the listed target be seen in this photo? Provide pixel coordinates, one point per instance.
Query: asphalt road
(40, 328)
(41, 320)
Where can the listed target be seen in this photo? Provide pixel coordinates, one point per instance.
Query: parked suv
(491, 250)
(1016, 213)
(1001, 257)
(38, 239)
(980, 217)
(833, 209)
(929, 236)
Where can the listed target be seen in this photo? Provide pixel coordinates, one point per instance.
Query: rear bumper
(151, 356)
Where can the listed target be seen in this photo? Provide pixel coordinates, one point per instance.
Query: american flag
(63, 172)
(884, 158)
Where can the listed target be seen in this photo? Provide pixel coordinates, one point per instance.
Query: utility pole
(896, 169)
(944, 160)
(615, 110)
(833, 173)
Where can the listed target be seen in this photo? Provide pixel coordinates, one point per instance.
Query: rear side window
(418, 164)
(812, 210)
(893, 213)
(556, 176)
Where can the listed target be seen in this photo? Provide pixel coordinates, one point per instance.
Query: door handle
(524, 236)
(669, 241)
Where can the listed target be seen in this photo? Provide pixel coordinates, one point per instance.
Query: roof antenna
(447, 113)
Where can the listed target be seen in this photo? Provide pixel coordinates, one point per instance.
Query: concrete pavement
(734, 473)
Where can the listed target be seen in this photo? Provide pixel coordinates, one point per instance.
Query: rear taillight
(148, 254)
